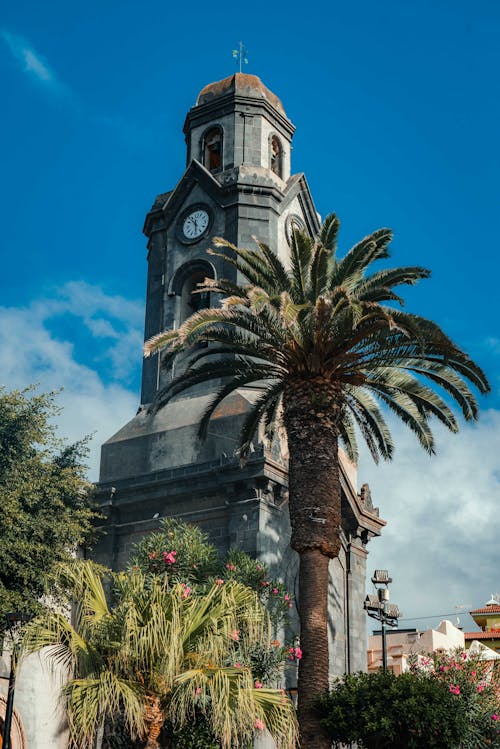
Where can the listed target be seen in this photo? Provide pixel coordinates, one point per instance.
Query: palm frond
(328, 233)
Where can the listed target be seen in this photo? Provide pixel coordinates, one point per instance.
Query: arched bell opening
(212, 152)
(276, 155)
(185, 286)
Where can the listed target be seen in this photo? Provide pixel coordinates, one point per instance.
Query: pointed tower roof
(240, 84)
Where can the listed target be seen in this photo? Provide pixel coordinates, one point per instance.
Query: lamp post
(379, 608)
(14, 619)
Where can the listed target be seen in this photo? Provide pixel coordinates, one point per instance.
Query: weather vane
(240, 55)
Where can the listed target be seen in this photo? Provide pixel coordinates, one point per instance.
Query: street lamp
(379, 608)
(14, 619)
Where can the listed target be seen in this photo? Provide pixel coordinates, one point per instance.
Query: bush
(183, 553)
(383, 711)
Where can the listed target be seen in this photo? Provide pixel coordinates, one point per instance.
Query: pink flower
(187, 591)
(289, 605)
(454, 689)
(235, 635)
(258, 685)
(231, 567)
(463, 656)
(298, 653)
(494, 716)
(294, 654)
(481, 687)
(197, 691)
(153, 555)
(287, 597)
(275, 591)
(169, 557)
(259, 724)
(259, 567)
(472, 673)
(219, 581)
(237, 665)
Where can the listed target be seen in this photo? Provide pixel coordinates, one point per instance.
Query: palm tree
(160, 653)
(323, 339)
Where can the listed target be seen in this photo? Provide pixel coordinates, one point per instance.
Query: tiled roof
(491, 609)
(242, 84)
(493, 634)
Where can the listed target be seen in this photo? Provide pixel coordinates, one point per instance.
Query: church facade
(237, 184)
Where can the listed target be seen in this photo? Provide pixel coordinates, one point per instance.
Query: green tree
(45, 499)
(324, 339)
(159, 653)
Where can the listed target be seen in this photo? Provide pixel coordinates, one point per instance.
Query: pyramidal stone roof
(241, 84)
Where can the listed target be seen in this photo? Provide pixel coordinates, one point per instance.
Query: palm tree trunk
(310, 414)
(155, 719)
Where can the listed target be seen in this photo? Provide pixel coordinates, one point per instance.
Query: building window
(212, 149)
(191, 299)
(276, 156)
(184, 286)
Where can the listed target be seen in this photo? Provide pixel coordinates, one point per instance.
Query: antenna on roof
(240, 55)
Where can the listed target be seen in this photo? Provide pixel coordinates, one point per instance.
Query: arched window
(212, 149)
(276, 155)
(185, 286)
(191, 299)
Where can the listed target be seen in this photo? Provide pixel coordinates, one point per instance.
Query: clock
(194, 224)
(293, 221)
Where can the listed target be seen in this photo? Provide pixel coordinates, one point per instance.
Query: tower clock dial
(195, 224)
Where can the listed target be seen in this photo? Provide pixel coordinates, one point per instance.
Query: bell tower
(237, 184)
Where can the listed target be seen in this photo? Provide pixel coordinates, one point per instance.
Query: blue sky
(396, 107)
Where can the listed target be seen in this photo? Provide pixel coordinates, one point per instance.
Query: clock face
(195, 224)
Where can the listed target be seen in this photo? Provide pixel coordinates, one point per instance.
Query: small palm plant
(325, 340)
(159, 654)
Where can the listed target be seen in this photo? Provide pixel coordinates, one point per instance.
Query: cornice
(231, 103)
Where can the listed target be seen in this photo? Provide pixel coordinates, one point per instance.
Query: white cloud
(31, 61)
(92, 401)
(441, 543)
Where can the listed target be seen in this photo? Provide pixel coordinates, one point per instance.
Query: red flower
(169, 557)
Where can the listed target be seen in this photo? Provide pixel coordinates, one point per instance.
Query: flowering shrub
(183, 553)
(178, 550)
(383, 711)
(446, 701)
(475, 685)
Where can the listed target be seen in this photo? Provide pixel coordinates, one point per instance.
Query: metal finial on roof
(240, 55)
(494, 600)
